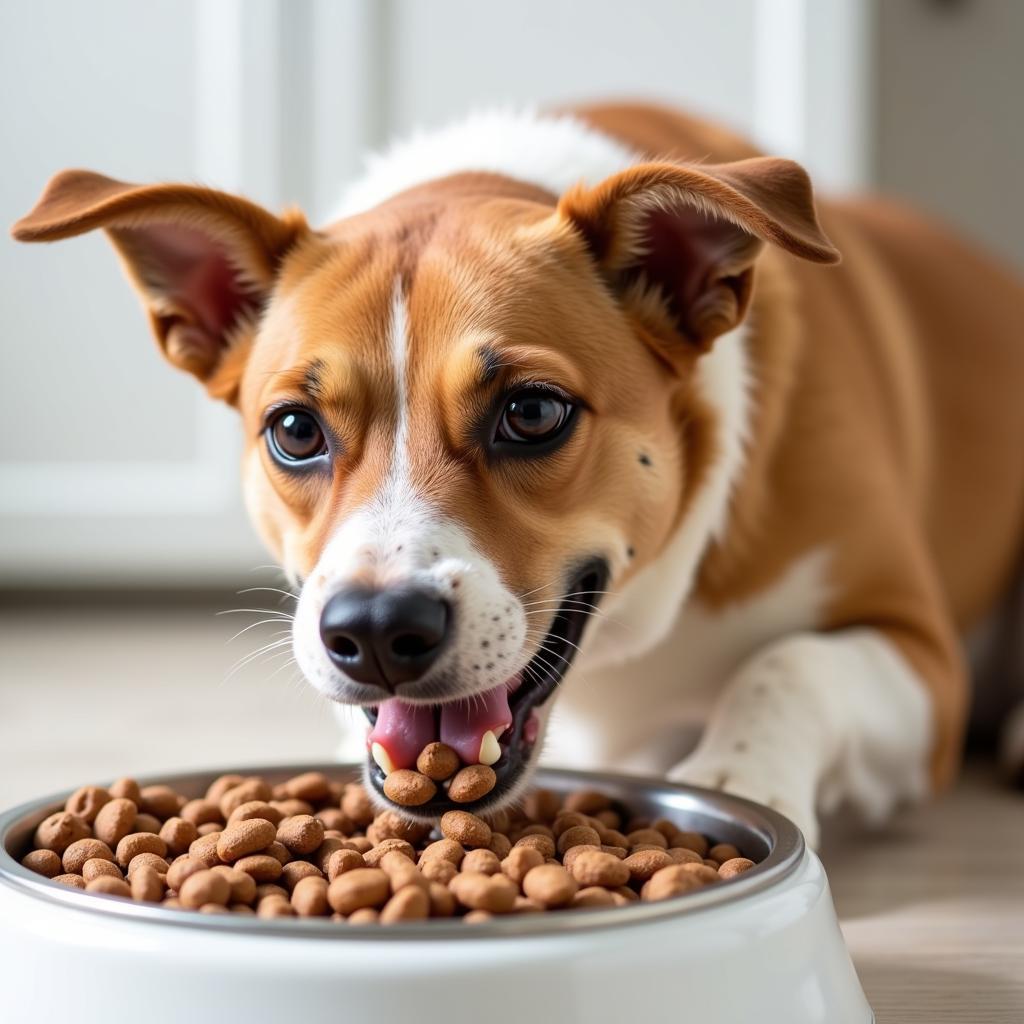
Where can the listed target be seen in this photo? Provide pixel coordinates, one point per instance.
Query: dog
(581, 411)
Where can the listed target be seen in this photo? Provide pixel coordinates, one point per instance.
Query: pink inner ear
(192, 269)
(685, 251)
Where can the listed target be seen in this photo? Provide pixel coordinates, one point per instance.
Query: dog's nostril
(344, 647)
(409, 645)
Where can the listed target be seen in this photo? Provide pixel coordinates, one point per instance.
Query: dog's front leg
(816, 719)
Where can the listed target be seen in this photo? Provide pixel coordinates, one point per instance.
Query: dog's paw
(752, 782)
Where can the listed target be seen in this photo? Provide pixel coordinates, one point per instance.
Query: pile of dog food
(313, 847)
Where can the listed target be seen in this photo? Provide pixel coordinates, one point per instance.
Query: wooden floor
(933, 910)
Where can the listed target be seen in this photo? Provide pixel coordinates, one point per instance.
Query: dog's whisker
(253, 625)
(279, 612)
(272, 590)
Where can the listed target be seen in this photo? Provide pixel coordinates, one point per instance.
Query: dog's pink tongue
(403, 730)
(465, 723)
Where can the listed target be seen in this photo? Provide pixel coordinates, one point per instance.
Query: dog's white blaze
(400, 539)
(552, 151)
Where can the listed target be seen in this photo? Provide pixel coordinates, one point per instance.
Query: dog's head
(469, 412)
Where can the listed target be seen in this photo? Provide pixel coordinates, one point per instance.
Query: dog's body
(796, 512)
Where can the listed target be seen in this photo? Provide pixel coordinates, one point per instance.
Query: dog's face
(468, 413)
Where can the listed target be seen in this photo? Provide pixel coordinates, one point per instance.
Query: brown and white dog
(580, 402)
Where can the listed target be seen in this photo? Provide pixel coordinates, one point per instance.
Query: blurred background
(121, 527)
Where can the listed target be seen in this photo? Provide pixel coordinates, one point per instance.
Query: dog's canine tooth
(383, 759)
(490, 752)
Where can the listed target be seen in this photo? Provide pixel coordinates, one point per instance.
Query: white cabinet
(113, 467)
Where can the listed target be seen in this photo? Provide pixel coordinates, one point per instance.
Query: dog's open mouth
(499, 727)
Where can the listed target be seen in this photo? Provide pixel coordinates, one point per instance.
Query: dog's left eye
(294, 435)
(533, 416)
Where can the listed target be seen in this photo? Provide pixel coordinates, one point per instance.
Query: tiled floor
(933, 911)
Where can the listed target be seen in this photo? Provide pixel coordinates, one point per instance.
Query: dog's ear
(679, 242)
(203, 261)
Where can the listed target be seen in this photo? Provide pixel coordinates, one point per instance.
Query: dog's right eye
(294, 435)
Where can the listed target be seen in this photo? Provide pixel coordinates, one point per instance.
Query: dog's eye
(295, 436)
(533, 416)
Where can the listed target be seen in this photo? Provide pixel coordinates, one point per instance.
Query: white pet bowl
(764, 947)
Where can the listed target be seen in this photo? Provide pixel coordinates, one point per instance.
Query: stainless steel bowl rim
(784, 841)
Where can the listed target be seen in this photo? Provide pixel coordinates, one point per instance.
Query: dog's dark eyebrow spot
(631, 551)
(490, 363)
(312, 379)
(645, 459)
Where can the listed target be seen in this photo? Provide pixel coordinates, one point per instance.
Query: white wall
(113, 469)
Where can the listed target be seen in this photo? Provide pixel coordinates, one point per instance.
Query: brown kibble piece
(151, 860)
(722, 852)
(85, 803)
(593, 896)
(125, 789)
(408, 904)
(465, 828)
(310, 786)
(363, 887)
(550, 885)
(343, 860)
(409, 788)
(82, 850)
(471, 783)
(95, 868)
(437, 869)
(356, 803)
(243, 886)
(544, 845)
(597, 868)
(671, 881)
(691, 841)
(295, 871)
(309, 897)
(200, 812)
(437, 761)
(72, 881)
(147, 823)
(160, 801)
(704, 874)
(447, 849)
(587, 801)
(105, 885)
(250, 789)
(734, 866)
(542, 805)
(221, 785)
(372, 858)
(146, 885)
(42, 862)
(262, 867)
(494, 893)
(301, 834)
(683, 855)
(57, 832)
(520, 860)
(257, 809)
(578, 835)
(178, 834)
(242, 838)
(204, 887)
(130, 846)
(182, 869)
(392, 825)
(442, 902)
(115, 820)
(645, 863)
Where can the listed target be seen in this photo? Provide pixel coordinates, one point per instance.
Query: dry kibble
(471, 783)
(734, 866)
(43, 862)
(130, 846)
(105, 885)
(178, 834)
(597, 868)
(723, 852)
(241, 838)
(363, 887)
(293, 873)
(85, 803)
(82, 850)
(115, 820)
(465, 828)
(313, 847)
(125, 789)
(204, 887)
(438, 762)
(59, 831)
(409, 904)
(160, 801)
(578, 835)
(72, 881)
(309, 897)
(146, 885)
(95, 868)
(262, 867)
(310, 786)
(550, 885)
(300, 834)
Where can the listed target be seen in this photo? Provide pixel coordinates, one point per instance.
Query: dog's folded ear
(678, 242)
(203, 261)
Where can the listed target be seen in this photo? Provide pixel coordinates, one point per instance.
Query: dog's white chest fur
(644, 715)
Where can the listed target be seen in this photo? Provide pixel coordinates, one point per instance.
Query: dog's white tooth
(383, 759)
(490, 752)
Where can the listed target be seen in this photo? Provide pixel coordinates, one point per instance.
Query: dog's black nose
(384, 637)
